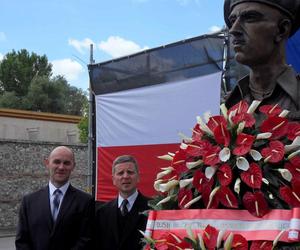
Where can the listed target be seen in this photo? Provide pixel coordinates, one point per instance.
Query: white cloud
(1, 56)
(70, 69)
(214, 29)
(117, 46)
(2, 36)
(81, 46)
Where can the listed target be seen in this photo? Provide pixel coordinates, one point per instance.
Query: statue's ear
(284, 29)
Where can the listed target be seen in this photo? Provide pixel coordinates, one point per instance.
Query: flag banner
(236, 221)
(144, 100)
(145, 123)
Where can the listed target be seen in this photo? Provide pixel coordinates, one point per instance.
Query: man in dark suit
(59, 216)
(118, 222)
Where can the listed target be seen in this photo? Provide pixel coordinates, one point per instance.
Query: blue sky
(64, 29)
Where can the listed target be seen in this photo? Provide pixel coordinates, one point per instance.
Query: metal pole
(90, 134)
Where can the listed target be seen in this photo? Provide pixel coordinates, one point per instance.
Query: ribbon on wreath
(236, 221)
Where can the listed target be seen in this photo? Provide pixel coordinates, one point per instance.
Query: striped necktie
(56, 201)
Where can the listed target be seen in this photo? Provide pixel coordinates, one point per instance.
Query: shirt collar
(131, 199)
(286, 80)
(63, 188)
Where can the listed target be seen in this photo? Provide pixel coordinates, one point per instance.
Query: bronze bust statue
(259, 30)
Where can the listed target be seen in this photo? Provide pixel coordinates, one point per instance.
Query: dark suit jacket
(73, 227)
(107, 232)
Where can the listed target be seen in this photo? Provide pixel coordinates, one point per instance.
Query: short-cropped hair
(123, 159)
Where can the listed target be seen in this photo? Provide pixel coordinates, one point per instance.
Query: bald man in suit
(59, 216)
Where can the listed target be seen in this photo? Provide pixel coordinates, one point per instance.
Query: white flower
(261, 136)
(220, 238)
(156, 184)
(286, 174)
(224, 154)
(224, 110)
(277, 238)
(165, 200)
(193, 164)
(255, 155)
(231, 114)
(240, 127)
(201, 242)
(210, 171)
(237, 185)
(185, 182)
(165, 187)
(242, 163)
(212, 194)
(183, 146)
(204, 127)
(206, 116)
(228, 242)
(191, 202)
(265, 181)
(165, 172)
(165, 157)
(185, 138)
(253, 106)
(293, 154)
(190, 233)
(294, 145)
(284, 113)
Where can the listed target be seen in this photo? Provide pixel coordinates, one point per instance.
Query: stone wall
(22, 171)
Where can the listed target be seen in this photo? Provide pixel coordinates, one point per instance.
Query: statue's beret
(289, 7)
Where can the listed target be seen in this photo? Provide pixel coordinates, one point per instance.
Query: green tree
(83, 125)
(17, 70)
(26, 82)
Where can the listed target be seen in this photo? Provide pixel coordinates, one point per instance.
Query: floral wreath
(234, 161)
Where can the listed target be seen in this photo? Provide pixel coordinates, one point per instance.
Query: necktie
(57, 195)
(123, 207)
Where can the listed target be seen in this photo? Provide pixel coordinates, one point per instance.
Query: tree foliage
(26, 82)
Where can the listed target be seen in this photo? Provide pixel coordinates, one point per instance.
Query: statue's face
(254, 29)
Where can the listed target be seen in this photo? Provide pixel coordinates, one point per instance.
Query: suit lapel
(133, 219)
(45, 206)
(114, 219)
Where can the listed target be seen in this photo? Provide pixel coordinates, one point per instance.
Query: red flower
(197, 133)
(179, 161)
(291, 195)
(216, 121)
(184, 197)
(239, 242)
(211, 157)
(241, 114)
(270, 110)
(224, 175)
(226, 197)
(200, 182)
(253, 176)
(293, 130)
(244, 143)
(198, 148)
(240, 107)
(210, 237)
(222, 136)
(274, 153)
(256, 203)
(294, 167)
(245, 117)
(261, 245)
(170, 241)
(276, 125)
